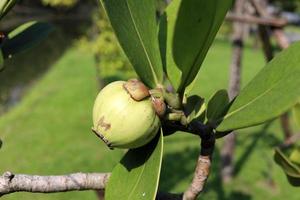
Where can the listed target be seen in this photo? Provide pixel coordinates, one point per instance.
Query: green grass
(49, 133)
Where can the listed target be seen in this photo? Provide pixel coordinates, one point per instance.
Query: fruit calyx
(136, 89)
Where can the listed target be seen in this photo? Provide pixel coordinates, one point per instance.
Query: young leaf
(291, 170)
(24, 37)
(274, 90)
(195, 108)
(191, 28)
(5, 6)
(217, 106)
(135, 25)
(296, 113)
(136, 176)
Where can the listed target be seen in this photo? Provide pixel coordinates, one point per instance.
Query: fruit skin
(121, 121)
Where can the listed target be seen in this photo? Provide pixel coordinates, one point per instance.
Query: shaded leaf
(195, 108)
(136, 176)
(25, 37)
(217, 106)
(135, 26)
(291, 170)
(273, 91)
(296, 113)
(191, 28)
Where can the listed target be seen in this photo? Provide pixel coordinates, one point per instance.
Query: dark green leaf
(191, 28)
(195, 108)
(217, 106)
(296, 113)
(136, 176)
(5, 6)
(291, 170)
(135, 25)
(24, 37)
(273, 91)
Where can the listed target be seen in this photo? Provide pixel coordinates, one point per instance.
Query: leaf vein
(142, 43)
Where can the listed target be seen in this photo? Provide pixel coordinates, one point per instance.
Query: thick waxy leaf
(24, 37)
(5, 6)
(134, 22)
(217, 106)
(195, 109)
(136, 176)
(274, 90)
(291, 170)
(296, 113)
(190, 27)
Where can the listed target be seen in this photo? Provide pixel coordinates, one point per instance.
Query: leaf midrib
(142, 43)
(199, 53)
(137, 182)
(256, 98)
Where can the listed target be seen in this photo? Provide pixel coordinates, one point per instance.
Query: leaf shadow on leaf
(1, 143)
(137, 157)
(193, 107)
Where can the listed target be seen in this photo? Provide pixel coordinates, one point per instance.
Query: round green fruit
(122, 122)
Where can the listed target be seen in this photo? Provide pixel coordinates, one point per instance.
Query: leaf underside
(137, 174)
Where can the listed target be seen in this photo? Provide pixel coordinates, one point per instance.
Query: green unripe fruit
(122, 122)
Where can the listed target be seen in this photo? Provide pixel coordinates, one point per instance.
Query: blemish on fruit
(102, 124)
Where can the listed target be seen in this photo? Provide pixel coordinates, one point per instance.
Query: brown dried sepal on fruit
(158, 101)
(136, 89)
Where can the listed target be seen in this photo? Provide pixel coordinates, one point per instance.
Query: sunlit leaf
(188, 28)
(134, 23)
(273, 91)
(136, 176)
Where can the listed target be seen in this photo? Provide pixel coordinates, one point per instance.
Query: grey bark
(282, 41)
(200, 177)
(10, 183)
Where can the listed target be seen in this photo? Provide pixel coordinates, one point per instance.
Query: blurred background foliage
(49, 92)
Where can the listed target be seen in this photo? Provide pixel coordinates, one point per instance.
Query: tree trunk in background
(227, 152)
(282, 41)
